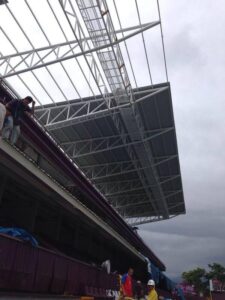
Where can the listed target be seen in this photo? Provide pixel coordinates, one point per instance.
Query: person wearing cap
(15, 111)
(152, 295)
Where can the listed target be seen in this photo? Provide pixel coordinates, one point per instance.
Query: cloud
(184, 252)
(195, 42)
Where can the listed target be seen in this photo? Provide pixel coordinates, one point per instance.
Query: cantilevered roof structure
(97, 95)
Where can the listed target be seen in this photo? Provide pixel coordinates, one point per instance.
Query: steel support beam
(116, 182)
(60, 116)
(144, 220)
(124, 198)
(115, 187)
(105, 184)
(83, 148)
(121, 80)
(98, 21)
(175, 205)
(97, 140)
(97, 173)
(120, 201)
(133, 205)
(120, 85)
(42, 57)
(141, 188)
(171, 194)
(75, 43)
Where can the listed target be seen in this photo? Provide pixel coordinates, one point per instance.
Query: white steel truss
(139, 196)
(65, 115)
(93, 146)
(144, 220)
(128, 205)
(21, 62)
(97, 22)
(169, 178)
(133, 206)
(97, 19)
(124, 186)
(168, 194)
(117, 200)
(116, 100)
(102, 172)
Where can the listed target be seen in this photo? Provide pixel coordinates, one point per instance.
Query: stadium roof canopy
(87, 64)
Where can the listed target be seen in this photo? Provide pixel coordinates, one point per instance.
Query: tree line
(199, 277)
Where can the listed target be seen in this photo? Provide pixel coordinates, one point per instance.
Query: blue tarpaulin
(20, 234)
(180, 293)
(169, 283)
(155, 273)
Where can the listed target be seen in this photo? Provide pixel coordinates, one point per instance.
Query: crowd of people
(11, 115)
(129, 290)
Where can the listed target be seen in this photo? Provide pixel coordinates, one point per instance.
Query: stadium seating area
(25, 268)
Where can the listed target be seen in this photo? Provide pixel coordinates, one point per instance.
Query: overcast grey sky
(195, 46)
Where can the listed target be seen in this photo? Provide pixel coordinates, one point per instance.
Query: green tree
(216, 271)
(196, 277)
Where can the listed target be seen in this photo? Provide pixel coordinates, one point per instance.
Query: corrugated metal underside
(129, 182)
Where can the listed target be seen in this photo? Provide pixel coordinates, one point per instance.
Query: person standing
(2, 116)
(139, 292)
(127, 284)
(152, 295)
(15, 110)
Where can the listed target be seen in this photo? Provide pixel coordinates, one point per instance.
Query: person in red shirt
(127, 283)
